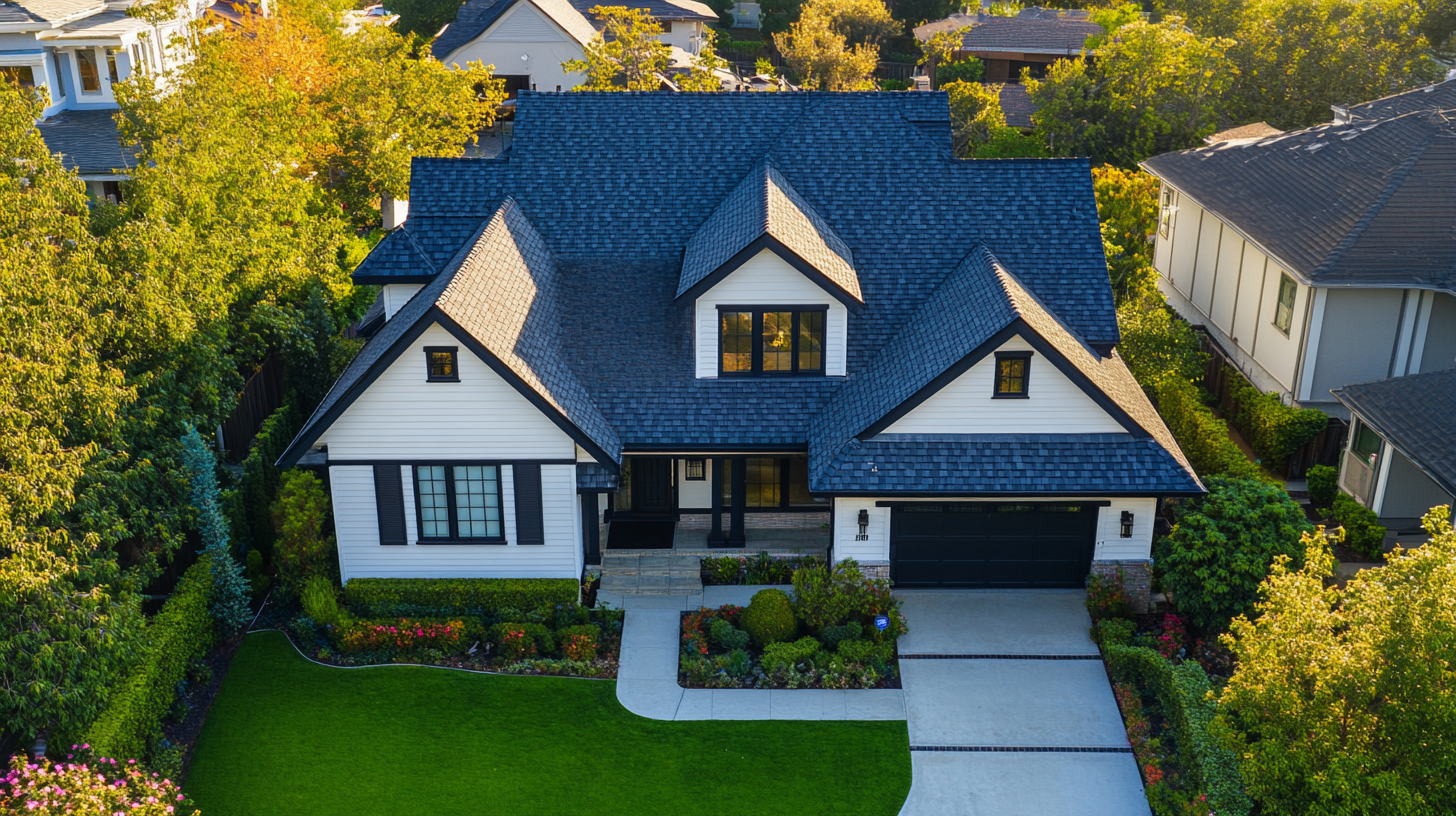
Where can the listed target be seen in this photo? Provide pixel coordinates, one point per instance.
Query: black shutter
(530, 529)
(389, 501)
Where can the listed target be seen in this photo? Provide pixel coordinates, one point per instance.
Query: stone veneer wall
(1137, 579)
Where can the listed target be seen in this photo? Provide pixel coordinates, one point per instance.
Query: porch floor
(773, 539)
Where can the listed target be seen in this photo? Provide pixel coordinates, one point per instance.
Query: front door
(651, 485)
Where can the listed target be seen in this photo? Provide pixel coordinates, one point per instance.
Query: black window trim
(756, 364)
(454, 352)
(454, 537)
(1025, 379)
(702, 469)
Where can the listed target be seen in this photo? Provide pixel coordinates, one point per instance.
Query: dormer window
(1013, 371)
(440, 364)
(770, 340)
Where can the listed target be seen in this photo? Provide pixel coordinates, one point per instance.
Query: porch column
(740, 500)
(591, 534)
(715, 533)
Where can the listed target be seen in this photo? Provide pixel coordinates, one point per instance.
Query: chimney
(394, 211)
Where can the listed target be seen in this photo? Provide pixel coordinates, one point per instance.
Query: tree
(1342, 701)
(818, 56)
(701, 76)
(230, 591)
(301, 550)
(860, 21)
(1223, 544)
(424, 18)
(626, 55)
(938, 49)
(1127, 207)
(978, 125)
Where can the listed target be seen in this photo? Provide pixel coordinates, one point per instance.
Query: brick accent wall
(1137, 579)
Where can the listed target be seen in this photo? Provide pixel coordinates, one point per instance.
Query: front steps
(652, 572)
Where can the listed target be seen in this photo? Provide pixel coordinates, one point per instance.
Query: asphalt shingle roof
(1037, 35)
(476, 16)
(87, 141)
(1017, 106)
(766, 204)
(48, 12)
(663, 10)
(1368, 203)
(1416, 414)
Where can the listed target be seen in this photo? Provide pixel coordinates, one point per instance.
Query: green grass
(286, 737)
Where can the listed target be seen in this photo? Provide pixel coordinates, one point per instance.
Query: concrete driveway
(1009, 708)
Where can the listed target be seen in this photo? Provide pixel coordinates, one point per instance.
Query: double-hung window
(1284, 309)
(459, 502)
(759, 340)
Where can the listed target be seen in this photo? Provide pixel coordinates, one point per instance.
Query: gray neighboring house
(1401, 459)
(1322, 257)
(1033, 39)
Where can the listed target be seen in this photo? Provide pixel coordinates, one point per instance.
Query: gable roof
(1416, 414)
(1367, 201)
(661, 10)
(1027, 34)
(765, 204)
(476, 16)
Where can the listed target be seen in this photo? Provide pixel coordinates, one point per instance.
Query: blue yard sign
(882, 622)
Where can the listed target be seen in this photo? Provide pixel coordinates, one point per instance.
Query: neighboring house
(1258, 130)
(1321, 257)
(76, 49)
(811, 339)
(1401, 458)
(1017, 106)
(1032, 40)
(527, 40)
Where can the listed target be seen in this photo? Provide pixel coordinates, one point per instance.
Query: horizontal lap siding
(1111, 546)
(846, 527)
(1054, 404)
(361, 555)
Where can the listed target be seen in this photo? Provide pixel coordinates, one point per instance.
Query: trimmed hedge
(181, 633)
(1362, 533)
(425, 597)
(1273, 429)
(1183, 693)
(1202, 436)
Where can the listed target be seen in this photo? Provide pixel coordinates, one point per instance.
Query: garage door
(980, 544)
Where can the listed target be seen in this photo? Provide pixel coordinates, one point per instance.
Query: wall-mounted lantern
(1126, 524)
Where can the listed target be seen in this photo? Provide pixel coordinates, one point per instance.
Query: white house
(812, 342)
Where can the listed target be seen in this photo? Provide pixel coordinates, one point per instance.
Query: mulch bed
(199, 701)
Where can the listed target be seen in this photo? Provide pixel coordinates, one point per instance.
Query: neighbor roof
(476, 16)
(875, 169)
(48, 13)
(1256, 130)
(1368, 202)
(1017, 106)
(1034, 35)
(1416, 414)
(87, 141)
(661, 10)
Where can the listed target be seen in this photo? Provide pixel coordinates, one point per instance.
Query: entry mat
(640, 535)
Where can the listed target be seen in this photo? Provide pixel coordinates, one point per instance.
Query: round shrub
(1323, 485)
(727, 636)
(788, 655)
(579, 642)
(834, 635)
(769, 617)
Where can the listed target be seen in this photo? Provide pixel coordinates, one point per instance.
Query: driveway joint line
(1021, 749)
(998, 657)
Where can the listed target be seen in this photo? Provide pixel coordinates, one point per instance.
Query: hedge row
(1202, 436)
(1273, 429)
(416, 597)
(181, 633)
(1363, 533)
(1182, 691)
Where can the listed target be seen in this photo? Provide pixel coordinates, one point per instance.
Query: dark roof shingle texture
(87, 141)
(1417, 414)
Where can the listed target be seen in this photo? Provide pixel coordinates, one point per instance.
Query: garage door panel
(992, 545)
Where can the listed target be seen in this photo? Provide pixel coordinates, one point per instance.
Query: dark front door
(976, 544)
(651, 485)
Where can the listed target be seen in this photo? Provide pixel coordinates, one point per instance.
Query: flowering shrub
(100, 786)
(518, 641)
(579, 642)
(1106, 597)
(402, 634)
(1171, 636)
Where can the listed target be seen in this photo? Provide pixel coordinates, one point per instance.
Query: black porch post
(715, 533)
(591, 529)
(740, 499)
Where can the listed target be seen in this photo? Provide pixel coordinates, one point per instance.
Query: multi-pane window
(762, 482)
(86, 67)
(459, 502)
(695, 470)
(1365, 443)
(111, 65)
(440, 364)
(1284, 310)
(1012, 374)
(771, 341)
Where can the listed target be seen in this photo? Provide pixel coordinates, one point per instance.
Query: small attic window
(1013, 371)
(440, 364)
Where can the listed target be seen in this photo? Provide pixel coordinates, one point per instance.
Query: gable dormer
(765, 265)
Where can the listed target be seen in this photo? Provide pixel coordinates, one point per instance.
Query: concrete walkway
(1009, 708)
(647, 682)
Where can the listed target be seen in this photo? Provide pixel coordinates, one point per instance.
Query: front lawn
(289, 737)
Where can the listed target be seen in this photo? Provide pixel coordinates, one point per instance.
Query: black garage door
(980, 544)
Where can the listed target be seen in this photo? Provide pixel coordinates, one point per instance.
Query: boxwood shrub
(181, 633)
(1202, 436)
(425, 597)
(1274, 430)
(1182, 691)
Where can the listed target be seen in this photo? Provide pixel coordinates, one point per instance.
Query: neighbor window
(440, 364)
(1365, 443)
(22, 75)
(111, 64)
(1165, 217)
(459, 502)
(1284, 310)
(1012, 372)
(771, 341)
(86, 67)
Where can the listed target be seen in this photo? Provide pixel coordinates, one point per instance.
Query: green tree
(1127, 208)
(978, 125)
(820, 58)
(301, 551)
(860, 21)
(701, 77)
(230, 589)
(1223, 544)
(1343, 701)
(626, 55)
(424, 18)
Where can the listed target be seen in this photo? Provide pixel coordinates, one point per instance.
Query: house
(527, 40)
(1017, 106)
(76, 49)
(813, 340)
(1322, 257)
(1032, 40)
(1401, 456)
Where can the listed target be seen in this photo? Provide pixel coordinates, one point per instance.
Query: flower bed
(826, 638)
(87, 784)
(761, 569)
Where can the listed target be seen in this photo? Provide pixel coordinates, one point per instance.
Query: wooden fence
(262, 395)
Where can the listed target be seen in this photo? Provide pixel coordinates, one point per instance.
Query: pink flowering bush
(86, 785)
(1171, 636)
(402, 634)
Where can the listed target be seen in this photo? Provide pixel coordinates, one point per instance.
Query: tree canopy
(818, 48)
(626, 55)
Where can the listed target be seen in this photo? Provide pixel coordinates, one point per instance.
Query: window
(458, 502)
(1284, 310)
(22, 75)
(86, 67)
(694, 470)
(60, 62)
(111, 64)
(1165, 217)
(137, 64)
(1365, 443)
(762, 481)
(440, 364)
(1012, 373)
(771, 341)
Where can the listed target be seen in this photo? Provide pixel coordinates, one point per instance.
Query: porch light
(1126, 524)
(864, 522)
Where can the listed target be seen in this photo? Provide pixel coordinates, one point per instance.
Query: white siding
(1251, 282)
(524, 24)
(400, 416)
(1054, 404)
(694, 494)
(396, 295)
(361, 556)
(768, 280)
(1111, 546)
(1185, 244)
(1274, 351)
(1226, 279)
(846, 527)
(542, 64)
(1206, 264)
